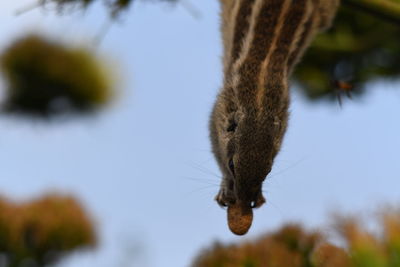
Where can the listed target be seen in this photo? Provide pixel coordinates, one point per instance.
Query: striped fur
(263, 41)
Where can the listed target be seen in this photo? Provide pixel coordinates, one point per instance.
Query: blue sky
(143, 168)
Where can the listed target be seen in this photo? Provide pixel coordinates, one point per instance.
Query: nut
(239, 219)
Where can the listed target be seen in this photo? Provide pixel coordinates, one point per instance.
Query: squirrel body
(263, 40)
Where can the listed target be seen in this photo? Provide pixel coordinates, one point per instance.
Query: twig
(28, 8)
(103, 31)
(194, 11)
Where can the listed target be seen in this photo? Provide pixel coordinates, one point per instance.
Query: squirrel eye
(232, 127)
(231, 166)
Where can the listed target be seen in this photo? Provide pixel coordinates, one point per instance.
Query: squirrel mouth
(227, 196)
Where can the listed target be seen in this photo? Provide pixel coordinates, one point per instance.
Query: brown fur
(263, 40)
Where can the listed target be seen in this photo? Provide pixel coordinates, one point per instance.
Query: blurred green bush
(45, 79)
(360, 48)
(289, 246)
(293, 246)
(44, 230)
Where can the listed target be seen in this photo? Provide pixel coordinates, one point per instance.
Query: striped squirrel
(263, 40)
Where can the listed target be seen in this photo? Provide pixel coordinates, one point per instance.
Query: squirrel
(263, 40)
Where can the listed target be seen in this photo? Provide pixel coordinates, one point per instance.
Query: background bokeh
(143, 168)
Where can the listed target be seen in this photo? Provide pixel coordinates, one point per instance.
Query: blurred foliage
(63, 3)
(47, 79)
(41, 232)
(292, 246)
(386, 9)
(115, 7)
(118, 6)
(361, 47)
